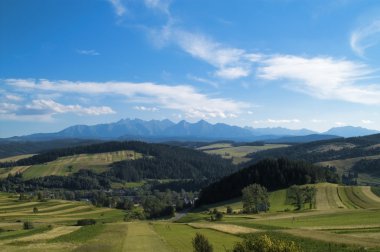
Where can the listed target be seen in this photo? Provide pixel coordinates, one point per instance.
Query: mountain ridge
(162, 130)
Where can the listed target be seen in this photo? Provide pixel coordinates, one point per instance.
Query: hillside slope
(342, 153)
(272, 173)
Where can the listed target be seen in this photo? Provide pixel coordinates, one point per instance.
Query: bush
(229, 210)
(218, 216)
(135, 214)
(264, 244)
(35, 210)
(201, 244)
(28, 225)
(86, 222)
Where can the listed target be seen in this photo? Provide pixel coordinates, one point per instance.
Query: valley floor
(345, 219)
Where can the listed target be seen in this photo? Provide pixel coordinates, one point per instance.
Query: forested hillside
(272, 173)
(17, 147)
(326, 150)
(158, 161)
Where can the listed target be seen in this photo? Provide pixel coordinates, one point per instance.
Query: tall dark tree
(255, 199)
(201, 243)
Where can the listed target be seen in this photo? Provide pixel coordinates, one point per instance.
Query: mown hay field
(67, 165)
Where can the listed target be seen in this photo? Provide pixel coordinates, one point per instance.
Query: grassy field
(54, 223)
(344, 219)
(239, 153)
(179, 236)
(71, 164)
(15, 158)
(55, 229)
(344, 165)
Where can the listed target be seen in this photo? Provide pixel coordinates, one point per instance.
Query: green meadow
(68, 165)
(238, 154)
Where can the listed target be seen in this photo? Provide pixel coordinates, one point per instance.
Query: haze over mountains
(163, 130)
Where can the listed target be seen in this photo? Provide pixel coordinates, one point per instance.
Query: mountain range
(165, 130)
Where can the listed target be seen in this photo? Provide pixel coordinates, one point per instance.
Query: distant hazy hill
(279, 131)
(350, 131)
(303, 139)
(166, 130)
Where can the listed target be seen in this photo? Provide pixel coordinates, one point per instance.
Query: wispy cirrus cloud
(118, 6)
(203, 80)
(322, 77)
(365, 36)
(230, 63)
(161, 5)
(276, 121)
(88, 52)
(181, 97)
(143, 108)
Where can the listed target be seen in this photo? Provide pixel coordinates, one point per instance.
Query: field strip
(374, 235)
(321, 199)
(65, 211)
(333, 197)
(90, 212)
(296, 215)
(14, 170)
(334, 238)
(345, 227)
(55, 232)
(367, 192)
(356, 195)
(56, 207)
(15, 158)
(142, 237)
(40, 247)
(344, 198)
(327, 197)
(28, 204)
(225, 228)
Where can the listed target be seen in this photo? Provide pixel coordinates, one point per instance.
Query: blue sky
(262, 63)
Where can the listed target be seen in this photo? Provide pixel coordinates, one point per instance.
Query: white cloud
(340, 124)
(52, 107)
(317, 121)
(6, 108)
(13, 97)
(88, 52)
(200, 46)
(365, 37)
(203, 80)
(277, 121)
(367, 121)
(232, 73)
(254, 57)
(143, 108)
(118, 6)
(161, 5)
(322, 77)
(231, 63)
(44, 110)
(283, 121)
(181, 98)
